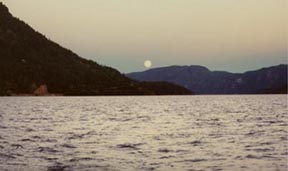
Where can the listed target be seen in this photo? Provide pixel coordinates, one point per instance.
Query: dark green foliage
(28, 59)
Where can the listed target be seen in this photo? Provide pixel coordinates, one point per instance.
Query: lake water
(167, 133)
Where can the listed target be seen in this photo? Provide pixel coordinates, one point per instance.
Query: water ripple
(159, 133)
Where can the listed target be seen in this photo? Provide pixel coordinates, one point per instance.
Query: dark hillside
(28, 59)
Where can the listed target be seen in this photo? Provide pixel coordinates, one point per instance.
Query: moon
(147, 64)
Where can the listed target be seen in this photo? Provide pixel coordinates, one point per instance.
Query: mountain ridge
(204, 81)
(204, 67)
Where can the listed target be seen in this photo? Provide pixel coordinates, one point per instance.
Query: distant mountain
(281, 90)
(203, 81)
(32, 64)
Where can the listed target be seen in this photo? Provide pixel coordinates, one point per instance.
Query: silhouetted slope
(203, 81)
(28, 60)
(161, 88)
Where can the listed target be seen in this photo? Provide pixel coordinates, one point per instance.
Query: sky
(231, 35)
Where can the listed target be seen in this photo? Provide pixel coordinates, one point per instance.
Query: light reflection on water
(164, 133)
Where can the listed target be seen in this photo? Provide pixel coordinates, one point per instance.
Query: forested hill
(270, 80)
(28, 60)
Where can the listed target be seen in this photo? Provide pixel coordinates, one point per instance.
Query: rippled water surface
(168, 133)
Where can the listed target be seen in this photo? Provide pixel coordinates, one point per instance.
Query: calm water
(168, 133)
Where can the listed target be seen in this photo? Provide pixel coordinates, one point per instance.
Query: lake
(145, 133)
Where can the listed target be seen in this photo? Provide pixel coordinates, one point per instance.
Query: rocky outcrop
(41, 91)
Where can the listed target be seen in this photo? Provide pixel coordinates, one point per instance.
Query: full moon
(147, 64)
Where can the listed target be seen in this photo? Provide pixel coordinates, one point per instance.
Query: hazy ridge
(203, 81)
